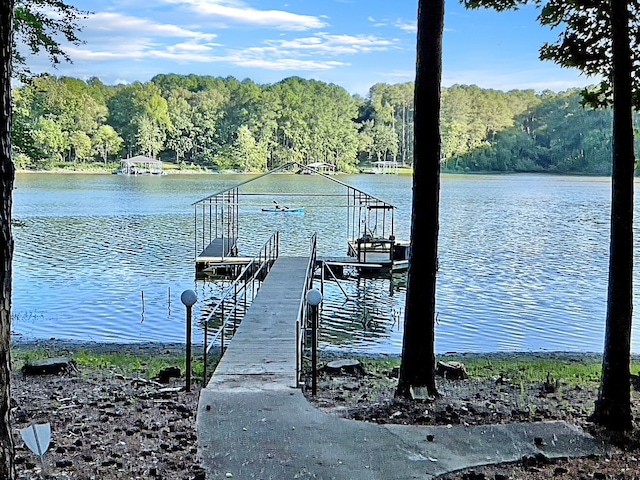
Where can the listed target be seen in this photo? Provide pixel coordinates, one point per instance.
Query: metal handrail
(259, 265)
(303, 312)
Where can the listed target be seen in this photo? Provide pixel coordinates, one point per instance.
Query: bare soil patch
(106, 425)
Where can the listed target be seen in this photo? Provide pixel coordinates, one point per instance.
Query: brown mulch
(107, 426)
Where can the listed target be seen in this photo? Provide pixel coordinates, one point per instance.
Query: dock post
(314, 298)
(188, 298)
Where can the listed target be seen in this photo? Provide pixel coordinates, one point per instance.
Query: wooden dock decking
(218, 248)
(263, 352)
(221, 253)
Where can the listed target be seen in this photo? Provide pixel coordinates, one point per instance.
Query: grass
(532, 369)
(515, 368)
(146, 365)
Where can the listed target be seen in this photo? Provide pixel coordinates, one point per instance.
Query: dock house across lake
(140, 165)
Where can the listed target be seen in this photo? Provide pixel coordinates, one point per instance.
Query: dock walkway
(253, 421)
(262, 354)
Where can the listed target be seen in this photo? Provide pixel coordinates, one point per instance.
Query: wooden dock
(263, 352)
(221, 253)
(220, 247)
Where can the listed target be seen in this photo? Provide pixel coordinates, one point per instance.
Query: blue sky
(353, 43)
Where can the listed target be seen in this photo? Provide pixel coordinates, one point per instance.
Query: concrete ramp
(278, 435)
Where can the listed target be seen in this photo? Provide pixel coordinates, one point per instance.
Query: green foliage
(224, 124)
(558, 135)
(38, 24)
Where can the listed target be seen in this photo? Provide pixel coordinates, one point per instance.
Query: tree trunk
(7, 170)
(418, 349)
(613, 407)
(404, 134)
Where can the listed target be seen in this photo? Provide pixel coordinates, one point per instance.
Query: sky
(352, 43)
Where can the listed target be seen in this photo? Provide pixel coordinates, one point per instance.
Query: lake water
(523, 259)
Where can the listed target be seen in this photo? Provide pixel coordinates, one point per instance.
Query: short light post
(189, 298)
(314, 298)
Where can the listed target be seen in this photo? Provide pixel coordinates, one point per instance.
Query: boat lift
(371, 242)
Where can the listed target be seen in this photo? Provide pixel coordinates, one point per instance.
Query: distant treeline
(223, 123)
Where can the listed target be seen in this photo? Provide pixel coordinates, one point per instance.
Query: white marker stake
(37, 437)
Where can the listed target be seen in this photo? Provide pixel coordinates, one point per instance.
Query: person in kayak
(282, 208)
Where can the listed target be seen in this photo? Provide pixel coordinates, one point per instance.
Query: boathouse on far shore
(140, 165)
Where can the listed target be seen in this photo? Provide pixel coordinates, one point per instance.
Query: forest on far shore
(226, 124)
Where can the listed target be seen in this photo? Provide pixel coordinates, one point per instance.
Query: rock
(167, 373)
(50, 366)
(451, 370)
(347, 366)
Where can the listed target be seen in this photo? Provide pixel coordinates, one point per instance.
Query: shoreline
(151, 347)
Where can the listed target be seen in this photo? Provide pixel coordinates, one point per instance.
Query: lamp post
(189, 298)
(314, 298)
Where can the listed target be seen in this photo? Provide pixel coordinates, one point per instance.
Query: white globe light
(314, 297)
(188, 297)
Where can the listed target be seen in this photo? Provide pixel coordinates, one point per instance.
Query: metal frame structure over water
(216, 217)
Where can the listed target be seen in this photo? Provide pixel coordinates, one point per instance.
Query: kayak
(284, 210)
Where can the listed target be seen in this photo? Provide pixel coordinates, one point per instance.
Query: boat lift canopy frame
(216, 217)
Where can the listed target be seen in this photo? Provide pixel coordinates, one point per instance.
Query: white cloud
(377, 23)
(239, 13)
(113, 36)
(537, 79)
(327, 44)
(112, 24)
(286, 64)
(406, 26)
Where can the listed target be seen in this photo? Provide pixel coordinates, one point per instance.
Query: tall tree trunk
(404, 134)
(418, 349)
(7, 170)
(613, 407)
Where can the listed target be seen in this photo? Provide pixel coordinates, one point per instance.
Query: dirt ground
(108, 426)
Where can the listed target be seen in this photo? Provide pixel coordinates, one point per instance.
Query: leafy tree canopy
(38, 25)
(585, 42)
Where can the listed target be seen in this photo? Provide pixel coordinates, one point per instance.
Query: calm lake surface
(523, 258)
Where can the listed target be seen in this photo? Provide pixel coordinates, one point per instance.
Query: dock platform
(220, 253)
